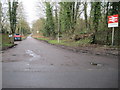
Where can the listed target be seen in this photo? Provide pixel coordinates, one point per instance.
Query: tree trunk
(85, 14)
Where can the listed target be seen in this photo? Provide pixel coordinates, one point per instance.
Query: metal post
(58, 38)
(58, 31)
(113, 36)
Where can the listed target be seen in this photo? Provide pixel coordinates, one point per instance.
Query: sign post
(58, 31)
(113, 31)
(113, 22)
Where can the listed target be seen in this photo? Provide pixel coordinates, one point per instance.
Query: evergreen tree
(13, 15)
(115, 8)
(0, 14)
(68, 16)
(49, 23)
(96, 11)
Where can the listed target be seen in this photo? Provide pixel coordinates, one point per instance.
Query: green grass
(81, 43)
(84, 41)
(67, 42)
(44, 39)
(0, 38)
(7, 45)
(4, 41)
(53, 41)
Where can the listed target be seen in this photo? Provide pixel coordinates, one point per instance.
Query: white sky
(30, 10)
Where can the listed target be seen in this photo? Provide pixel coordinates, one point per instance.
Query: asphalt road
(36, 64)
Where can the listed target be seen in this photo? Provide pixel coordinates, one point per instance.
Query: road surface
(36, 64)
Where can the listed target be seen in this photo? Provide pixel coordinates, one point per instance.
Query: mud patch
(14, 55)
(51, 64)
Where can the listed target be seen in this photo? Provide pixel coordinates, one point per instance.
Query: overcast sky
(30, 9)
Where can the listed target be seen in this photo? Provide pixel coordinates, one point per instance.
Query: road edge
(73, 49)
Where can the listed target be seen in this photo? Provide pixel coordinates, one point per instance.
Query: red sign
(113, 19)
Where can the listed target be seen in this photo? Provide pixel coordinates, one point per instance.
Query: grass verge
(70, 43)
(5, 41)
(7, 45)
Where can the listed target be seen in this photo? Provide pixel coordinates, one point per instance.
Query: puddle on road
(29, 37)
(28, 64)
(34, 57)
(31, 53)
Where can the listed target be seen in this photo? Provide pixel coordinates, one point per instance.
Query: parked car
(17, 37)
